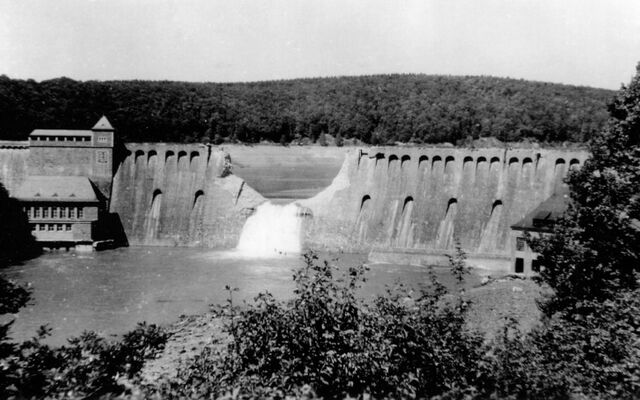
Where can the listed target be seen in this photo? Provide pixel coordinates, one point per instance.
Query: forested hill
(374, 109)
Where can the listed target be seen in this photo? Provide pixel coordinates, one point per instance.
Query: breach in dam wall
(386, 199)
(423, 199)
(173, 194)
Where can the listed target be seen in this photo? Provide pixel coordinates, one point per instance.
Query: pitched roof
(103, 124)
(60, 132)
(545, 215)
(56, 188)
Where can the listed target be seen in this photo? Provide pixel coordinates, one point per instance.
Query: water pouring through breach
(273, 230)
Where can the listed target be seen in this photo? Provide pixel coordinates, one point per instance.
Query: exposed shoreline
(492, 303)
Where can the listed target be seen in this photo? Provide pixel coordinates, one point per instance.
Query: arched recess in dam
(407, 198)
(152, 225)
(362, 221)
(152, 159)
(445, 238)
(472, 195)
(490, 238)
(197, 213)
(403, 234)
(194, 159)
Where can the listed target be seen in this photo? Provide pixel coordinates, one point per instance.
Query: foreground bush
(594, 355)
(403, 344)
(88, 366)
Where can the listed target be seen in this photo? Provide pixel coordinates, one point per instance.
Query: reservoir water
(110, 291)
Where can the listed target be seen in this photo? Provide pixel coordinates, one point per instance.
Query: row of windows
(54, 212)
(62, 138)
(51, 227)
(519, 267)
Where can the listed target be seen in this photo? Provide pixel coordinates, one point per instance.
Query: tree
(339, 140)
(16, 241)
(594, 252)
(322, 139)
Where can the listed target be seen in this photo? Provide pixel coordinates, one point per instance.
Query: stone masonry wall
(424, 198)
(173, 194)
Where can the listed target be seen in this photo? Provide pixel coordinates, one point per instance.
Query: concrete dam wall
(172, 194)
(421, 199)
(391, 199)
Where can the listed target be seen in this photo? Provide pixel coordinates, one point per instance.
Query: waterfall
(272, 230)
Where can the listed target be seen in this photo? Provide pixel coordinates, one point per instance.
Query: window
(67, 227)
(36, 212)
(535, 265)
(45, 212)
(63, 212)
(34, 227)
(102, 139)
(72, 212)
(54, 212)
(520, 244)
(102, 157)
(519, 265)
(49, 227)
(80, 212)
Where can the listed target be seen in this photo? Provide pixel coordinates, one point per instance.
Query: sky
(580, 42)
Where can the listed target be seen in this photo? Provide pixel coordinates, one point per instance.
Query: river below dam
(110, 291)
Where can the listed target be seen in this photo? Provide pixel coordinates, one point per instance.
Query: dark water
(112, 290)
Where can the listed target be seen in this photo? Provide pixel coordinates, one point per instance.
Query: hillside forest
(382, 109)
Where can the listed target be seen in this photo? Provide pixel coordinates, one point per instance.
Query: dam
(403, 203)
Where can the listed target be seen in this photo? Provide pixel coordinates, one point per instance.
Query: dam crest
(401, 200)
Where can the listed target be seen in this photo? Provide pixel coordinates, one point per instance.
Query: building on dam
(538, 222)
(62, 210)
(66, 191)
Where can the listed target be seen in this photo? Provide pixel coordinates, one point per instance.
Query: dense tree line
(381, 109)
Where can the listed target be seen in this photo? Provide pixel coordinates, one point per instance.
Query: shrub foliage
(88, 366)
(402, 344)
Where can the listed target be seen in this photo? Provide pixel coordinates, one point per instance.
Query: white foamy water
(272, 230)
